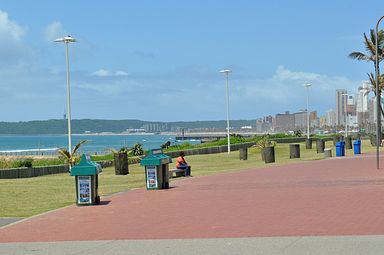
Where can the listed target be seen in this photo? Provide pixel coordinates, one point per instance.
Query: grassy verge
(31, 196)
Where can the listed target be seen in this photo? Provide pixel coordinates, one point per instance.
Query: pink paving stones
(328, 197)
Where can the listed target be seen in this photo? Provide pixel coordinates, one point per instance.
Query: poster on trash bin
(151, 177)
(84, 189)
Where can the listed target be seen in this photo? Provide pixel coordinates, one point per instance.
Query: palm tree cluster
(370, 56)
(71, 157)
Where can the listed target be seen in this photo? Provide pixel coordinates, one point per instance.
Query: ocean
(99, 144)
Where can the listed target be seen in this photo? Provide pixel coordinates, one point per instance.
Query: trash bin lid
(156, 158)
(86, 167)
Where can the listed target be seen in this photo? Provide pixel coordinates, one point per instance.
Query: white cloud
(102, 73)
(9, 30)
(249, 97)
(107, 73)
(284, 91)
(12, 48)
(121, 73)
(53, 31)
(284, 74)
(203, 93)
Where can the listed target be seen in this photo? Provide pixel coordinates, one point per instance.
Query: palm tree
(70, 157)
(372, 80)
(370, 46)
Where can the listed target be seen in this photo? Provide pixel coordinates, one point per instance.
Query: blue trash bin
(343, 148)
(357, 147)
(340, 149)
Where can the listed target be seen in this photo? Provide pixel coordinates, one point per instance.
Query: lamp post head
(226, 71)
(307, 85)
(65, 39)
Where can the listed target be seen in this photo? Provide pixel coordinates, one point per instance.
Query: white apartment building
(362, 104)
(330, 118)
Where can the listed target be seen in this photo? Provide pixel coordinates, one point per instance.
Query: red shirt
(180, 161)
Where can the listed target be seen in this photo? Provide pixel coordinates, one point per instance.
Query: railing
(43, 152)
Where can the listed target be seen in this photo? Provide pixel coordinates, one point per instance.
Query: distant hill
(56, 126)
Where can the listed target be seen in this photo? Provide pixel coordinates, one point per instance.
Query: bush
(5, 163)
(137, 150)
(27, 162)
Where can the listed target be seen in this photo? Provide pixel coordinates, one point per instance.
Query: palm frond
(65, 153)
(359, 56)
(372, 80)
(370, 42)
(78, 146)
(381, 42)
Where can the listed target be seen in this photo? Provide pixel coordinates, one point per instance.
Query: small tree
(70, 157)
(298, 132)
(264, 142)
(137, 150)
(120, 158)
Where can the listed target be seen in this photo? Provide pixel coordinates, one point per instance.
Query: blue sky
(160, 60)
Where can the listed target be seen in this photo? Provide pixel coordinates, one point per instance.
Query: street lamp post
(66, 40)
(378, 96)
(346, 123)
(226, 72)
(307, 85)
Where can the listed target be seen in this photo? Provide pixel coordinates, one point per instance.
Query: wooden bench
(177, 172)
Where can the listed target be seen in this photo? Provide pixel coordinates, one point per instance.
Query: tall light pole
(66, 40)
(378, 96)
(307, 85)
(226, 72)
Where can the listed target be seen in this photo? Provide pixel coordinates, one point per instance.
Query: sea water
(96, 143)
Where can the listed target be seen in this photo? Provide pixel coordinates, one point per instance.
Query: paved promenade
(330, 206)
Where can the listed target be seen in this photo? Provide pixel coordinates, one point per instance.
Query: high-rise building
(351, 105)
(372, 106)
(284, 122)
(330, 118)
(313, 120)
(300, 120)
(372, 110)
(264, 125)
(362, 104)
(341, 106)
(322, 121)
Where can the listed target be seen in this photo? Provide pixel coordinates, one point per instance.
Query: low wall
(105, 163)
(210, 150)
(28, 172)
(297, 139)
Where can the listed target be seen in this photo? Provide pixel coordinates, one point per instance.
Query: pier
(207, 136)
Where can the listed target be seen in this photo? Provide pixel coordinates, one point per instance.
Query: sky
(160, 60)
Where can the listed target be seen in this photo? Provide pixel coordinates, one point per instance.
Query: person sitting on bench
(182, 164)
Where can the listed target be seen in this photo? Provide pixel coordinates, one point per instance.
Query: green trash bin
(86, 176)
(156, 169)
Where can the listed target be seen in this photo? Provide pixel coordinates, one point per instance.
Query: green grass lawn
(31, 196)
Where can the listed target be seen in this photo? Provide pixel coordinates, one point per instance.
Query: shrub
(137, 150)
(26, 162)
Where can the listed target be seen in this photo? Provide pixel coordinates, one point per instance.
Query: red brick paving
(326, 197)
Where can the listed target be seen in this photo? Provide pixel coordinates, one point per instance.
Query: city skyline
(147, 60)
